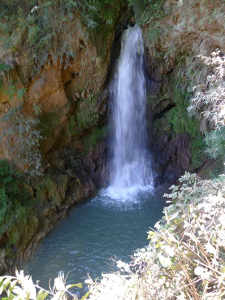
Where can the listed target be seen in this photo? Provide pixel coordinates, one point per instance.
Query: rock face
(54, 99)
(68, 73)
(185, 63)
(54, 110)
(173, 157)
(65, 183)
(96, 165)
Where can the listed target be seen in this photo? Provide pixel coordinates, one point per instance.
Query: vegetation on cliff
(185, 258)
(37, 26)
(14, 196)
(53, 65)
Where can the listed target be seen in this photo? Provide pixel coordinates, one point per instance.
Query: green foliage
(215, 142)
(33, 34)
(177, 121)
(16, 224)
(185, 258)
(72, 126)
(99, 12)
(147, 11)
(4, 204)
(86, 117)
(97, 135)
(12, 91)
(48, 121)
(12, 193)
(154, 33)
(197, 151)
(50, 187)
(4, 67)
(99, 17)
(181, 122)
(34, 25)
(21, 287)
(87, 114)
(130, 3)
(207, 103)
(38, 25)
(153, 11)
(26, 133)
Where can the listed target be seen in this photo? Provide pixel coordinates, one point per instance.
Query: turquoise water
(95, 232)
(115, 223)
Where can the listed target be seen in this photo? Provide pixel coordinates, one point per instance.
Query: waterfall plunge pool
(115, 223)
(93, 233)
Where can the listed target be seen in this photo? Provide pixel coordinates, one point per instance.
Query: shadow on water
(94, 232)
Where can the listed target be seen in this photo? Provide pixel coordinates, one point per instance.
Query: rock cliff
(55, 60)
(185, 64)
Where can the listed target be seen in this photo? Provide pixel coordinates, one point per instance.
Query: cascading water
(116, 221)
(131, 168)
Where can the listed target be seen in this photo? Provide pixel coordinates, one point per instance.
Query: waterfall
(131, 167)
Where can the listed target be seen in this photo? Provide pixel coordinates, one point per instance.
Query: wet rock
(162, 141)
(178, 151)
(67, 182)
(102, 102)
(132, 21)
(97, 166)
(172, 173)
(172, 157)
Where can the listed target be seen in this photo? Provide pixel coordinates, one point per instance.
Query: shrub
(22, 287)
(33, 34)
(186, 255)
(87, 115)
(5, 205)
(12, 192)
(208, 101)
(37, 26)
(95, 137)
(215, 142)
(185, 258)
(26, 134)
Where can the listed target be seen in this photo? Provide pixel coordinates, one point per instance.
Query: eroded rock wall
(185, 61)
(55, 60)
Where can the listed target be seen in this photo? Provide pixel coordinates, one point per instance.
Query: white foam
(122, 198)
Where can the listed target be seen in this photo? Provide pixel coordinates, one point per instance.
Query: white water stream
(131, 170)
(115, 223)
